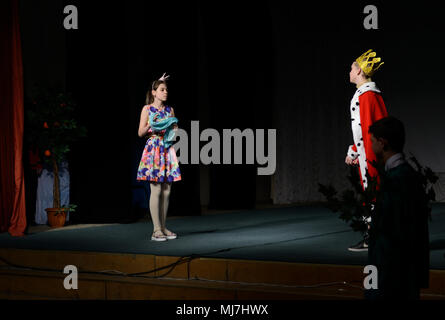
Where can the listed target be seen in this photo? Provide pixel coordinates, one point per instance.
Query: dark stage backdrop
(112, 58)
(263, 64)
(314, 48)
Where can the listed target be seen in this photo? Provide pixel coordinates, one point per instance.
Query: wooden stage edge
(188, 279)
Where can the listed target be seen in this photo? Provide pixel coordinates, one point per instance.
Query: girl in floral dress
(159, 164)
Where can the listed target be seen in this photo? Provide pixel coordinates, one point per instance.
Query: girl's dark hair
(154, 86)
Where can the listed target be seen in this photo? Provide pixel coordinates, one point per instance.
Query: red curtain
(12, 184)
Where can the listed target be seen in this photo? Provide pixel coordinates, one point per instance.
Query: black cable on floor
(181, 260)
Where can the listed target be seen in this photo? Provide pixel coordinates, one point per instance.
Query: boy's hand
(351, 161)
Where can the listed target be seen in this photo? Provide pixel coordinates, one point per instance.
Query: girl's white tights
(159, 198)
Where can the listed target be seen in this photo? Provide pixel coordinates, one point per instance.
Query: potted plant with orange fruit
(50, 129)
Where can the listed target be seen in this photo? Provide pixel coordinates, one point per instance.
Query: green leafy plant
(69, 209)
(429, 178)
(51, 128)
(355, 204)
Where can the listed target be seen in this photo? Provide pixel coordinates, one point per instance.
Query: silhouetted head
(387, 135)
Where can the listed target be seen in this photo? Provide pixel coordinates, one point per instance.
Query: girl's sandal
(170, 235)
(158, 236)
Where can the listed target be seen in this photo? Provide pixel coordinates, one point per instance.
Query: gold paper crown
(368, 63)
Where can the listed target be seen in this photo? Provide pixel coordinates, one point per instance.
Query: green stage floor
(306, 234)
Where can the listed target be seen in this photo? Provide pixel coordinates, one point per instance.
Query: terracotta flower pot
(56, 217)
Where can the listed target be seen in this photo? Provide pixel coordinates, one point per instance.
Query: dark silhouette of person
(399, 238)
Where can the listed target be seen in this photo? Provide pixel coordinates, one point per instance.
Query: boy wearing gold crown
(367, 106)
